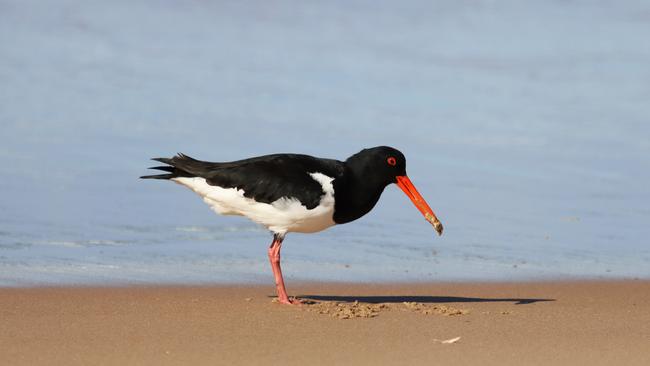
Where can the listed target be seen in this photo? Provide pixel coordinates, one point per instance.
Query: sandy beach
(523, 124)
(597, 323)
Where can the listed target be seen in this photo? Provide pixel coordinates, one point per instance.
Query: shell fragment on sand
(448, 341)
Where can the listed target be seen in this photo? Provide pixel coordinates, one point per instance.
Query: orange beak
(407, 186)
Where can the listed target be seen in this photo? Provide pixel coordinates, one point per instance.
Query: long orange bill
(407, 186)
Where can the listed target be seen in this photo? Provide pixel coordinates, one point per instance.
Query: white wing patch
(280, 216)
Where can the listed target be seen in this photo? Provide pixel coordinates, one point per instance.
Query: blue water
(525, 125)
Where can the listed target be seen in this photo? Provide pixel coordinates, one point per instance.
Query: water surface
(525, 127)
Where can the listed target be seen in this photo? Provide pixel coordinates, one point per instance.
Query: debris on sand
(434, 309)
(356, 309)
(347, 310)
(448, 341)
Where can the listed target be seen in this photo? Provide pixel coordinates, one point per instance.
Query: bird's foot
(289, 300)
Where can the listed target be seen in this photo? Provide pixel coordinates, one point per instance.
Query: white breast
(281, 216)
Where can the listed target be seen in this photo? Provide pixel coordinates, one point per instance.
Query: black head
(382, 164)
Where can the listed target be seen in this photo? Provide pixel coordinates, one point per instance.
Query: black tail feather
(182, 165)
(164, 168)
(163, 160)
(175, 167)
(159, 176)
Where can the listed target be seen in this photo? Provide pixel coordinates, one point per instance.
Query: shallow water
(525, 127)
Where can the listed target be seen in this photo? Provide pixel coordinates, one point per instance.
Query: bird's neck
(356, 193)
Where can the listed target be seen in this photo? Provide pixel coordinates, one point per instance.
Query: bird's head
(387, 165)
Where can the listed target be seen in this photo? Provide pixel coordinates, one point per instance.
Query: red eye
(391, 161)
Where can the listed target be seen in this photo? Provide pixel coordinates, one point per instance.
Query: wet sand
(596, 323)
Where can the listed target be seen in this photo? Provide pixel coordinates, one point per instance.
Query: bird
(295, 192)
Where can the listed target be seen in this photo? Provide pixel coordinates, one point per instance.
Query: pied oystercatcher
(294, 192)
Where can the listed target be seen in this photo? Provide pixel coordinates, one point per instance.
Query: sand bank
(506, 323)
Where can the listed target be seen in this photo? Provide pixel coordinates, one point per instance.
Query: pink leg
(274, 257)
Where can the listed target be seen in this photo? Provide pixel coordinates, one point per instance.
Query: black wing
(264, 179)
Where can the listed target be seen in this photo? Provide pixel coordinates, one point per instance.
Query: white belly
(281, 216)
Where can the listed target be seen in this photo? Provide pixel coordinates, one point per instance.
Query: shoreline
(267, 280)
(556, 322)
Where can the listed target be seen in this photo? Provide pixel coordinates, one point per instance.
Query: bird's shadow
(420, 299)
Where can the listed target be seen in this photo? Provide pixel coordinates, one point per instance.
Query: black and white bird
(295, 192)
